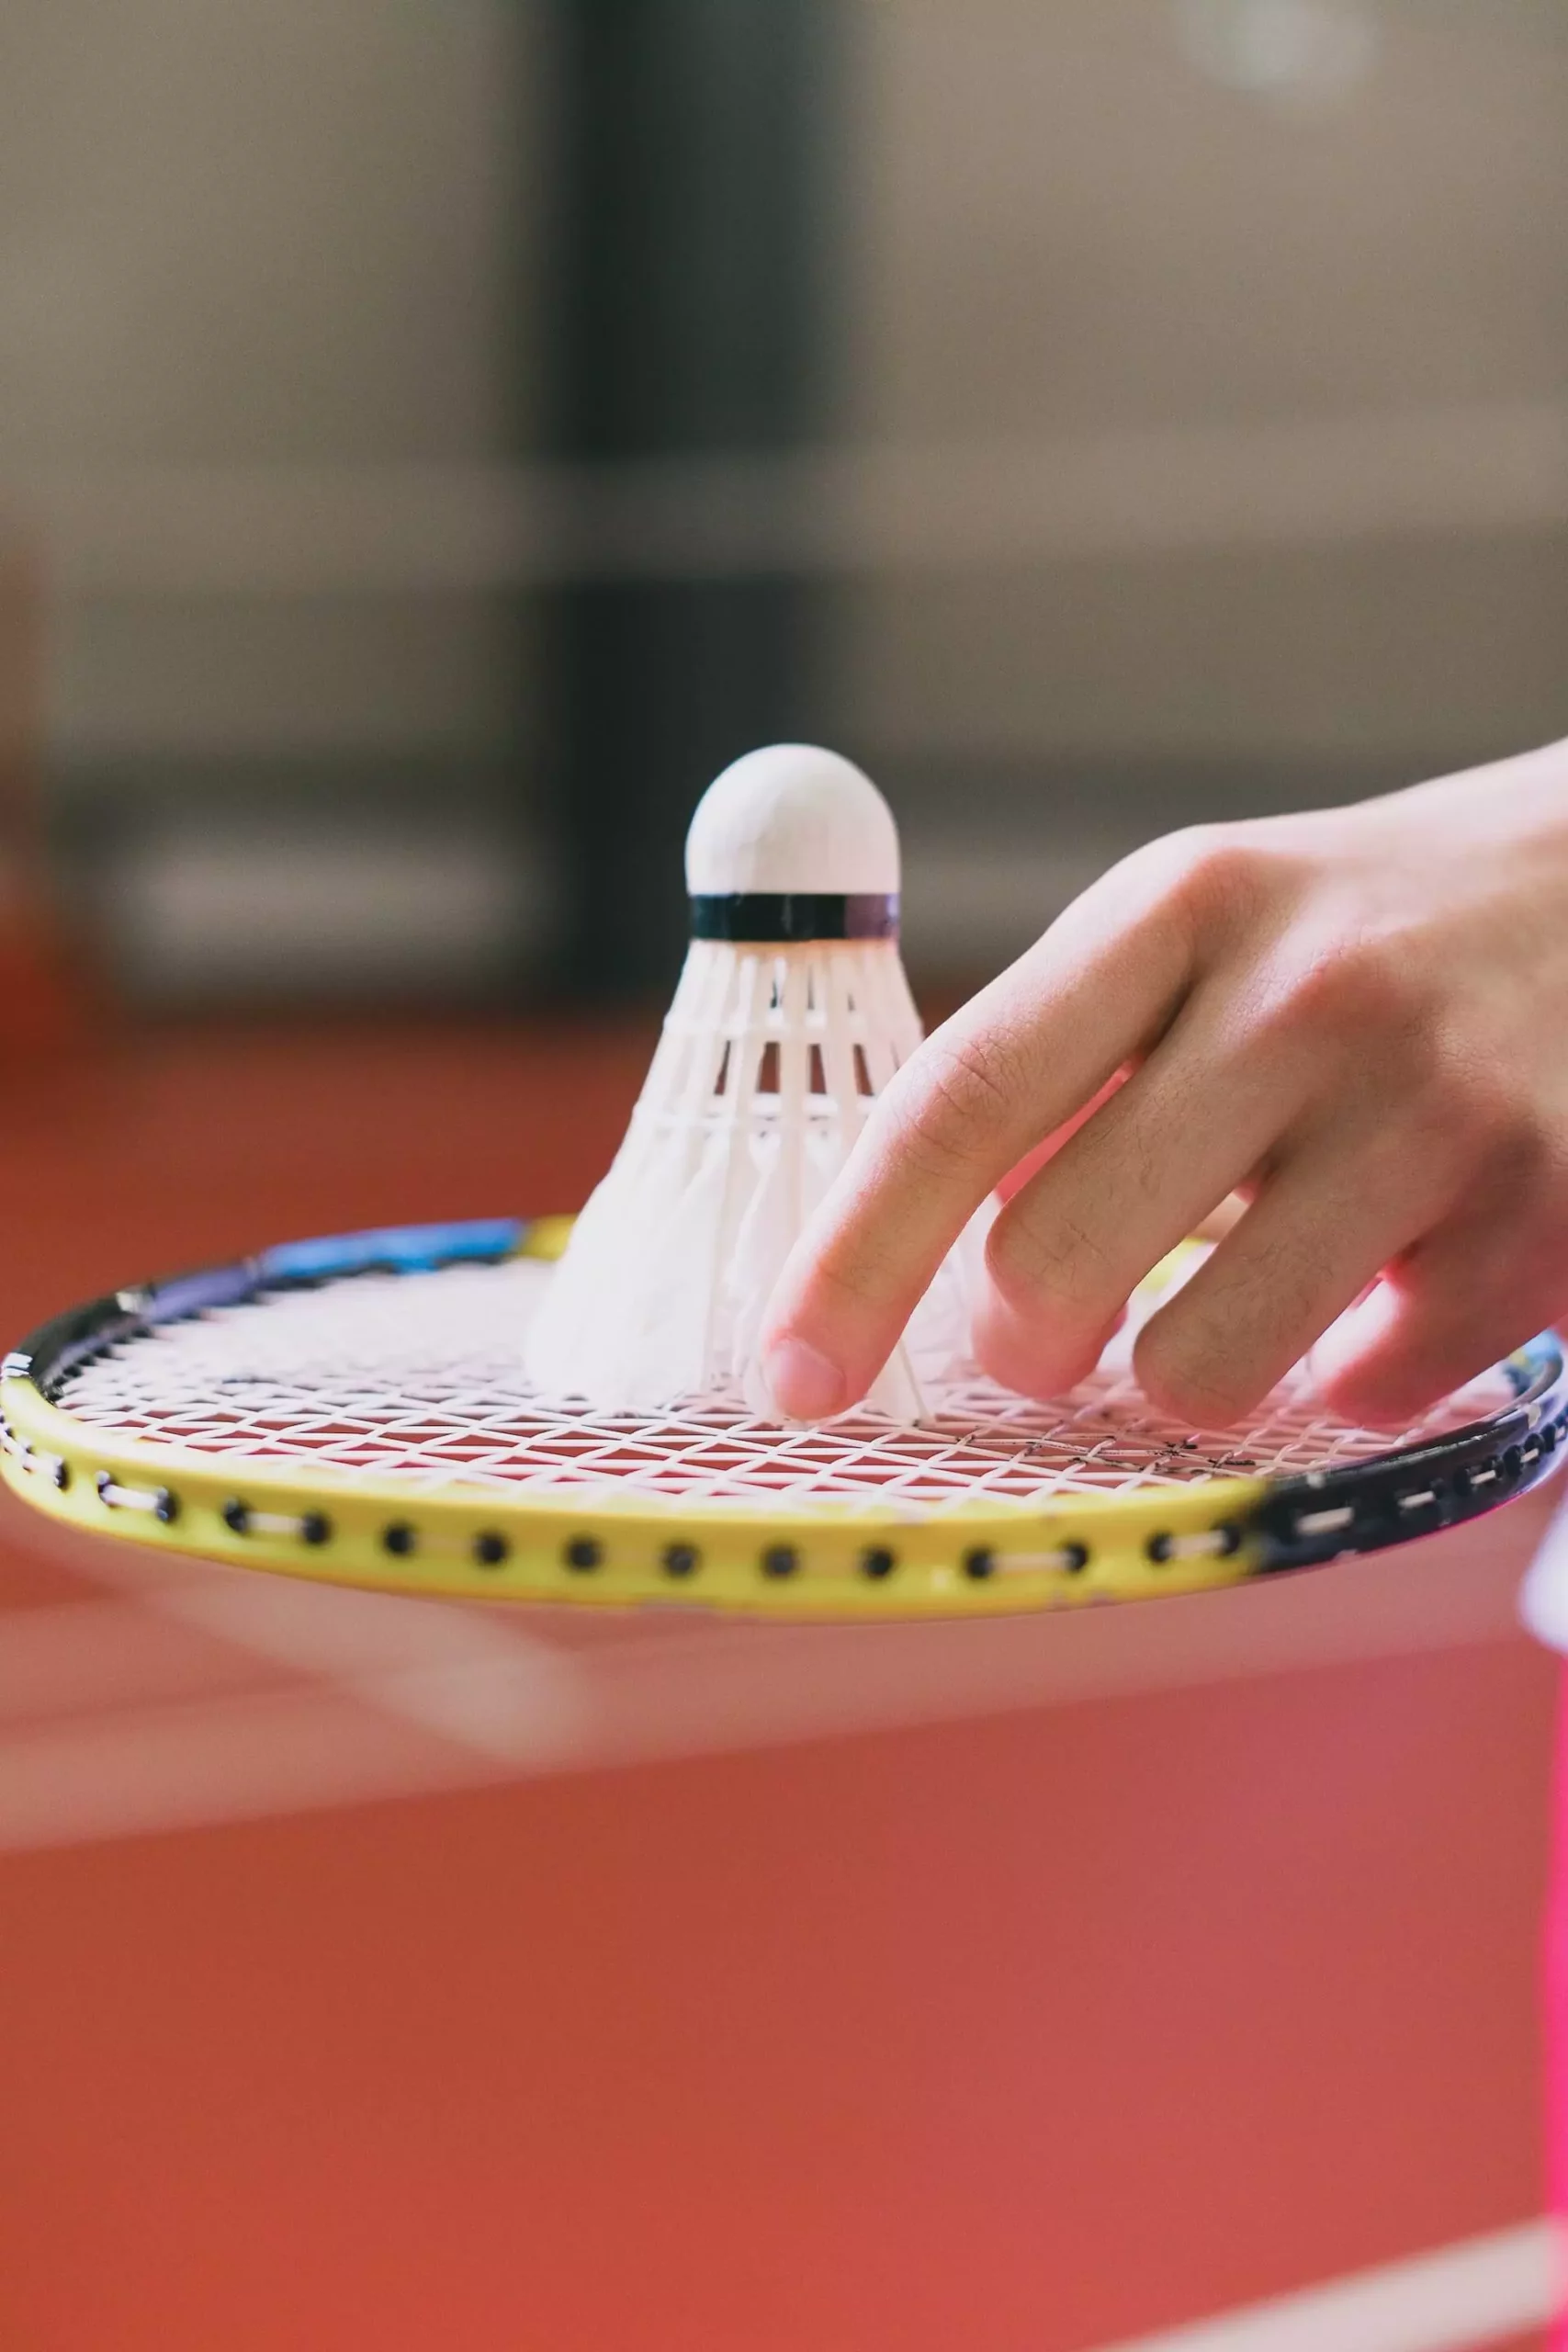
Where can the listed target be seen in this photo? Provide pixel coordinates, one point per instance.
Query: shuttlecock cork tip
(792, 819)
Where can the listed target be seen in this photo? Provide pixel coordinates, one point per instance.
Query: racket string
(419, 1379)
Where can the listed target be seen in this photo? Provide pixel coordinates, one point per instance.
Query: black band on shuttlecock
(791, 917)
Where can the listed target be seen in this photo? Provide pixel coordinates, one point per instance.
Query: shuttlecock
(791, 1014)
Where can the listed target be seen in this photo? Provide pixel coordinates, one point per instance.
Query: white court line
(414, 1658)
(730, 1687)
(1478, 2292)
(95, 1658)
(195, 1765)
(503, 1703)
(485, 1686)
(504, 1700)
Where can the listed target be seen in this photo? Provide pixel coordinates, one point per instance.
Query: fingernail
(804, 1385)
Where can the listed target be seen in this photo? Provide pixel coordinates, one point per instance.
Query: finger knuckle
(1526, 1157)
(957, 1091)
(1354, 994)
(853, 1281)
(1468, 1111)
(1037, 1256)
(1220, 872)
(1191, 1378)
(1475, 1107)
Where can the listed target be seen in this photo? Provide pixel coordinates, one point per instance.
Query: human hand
(1357, 1018)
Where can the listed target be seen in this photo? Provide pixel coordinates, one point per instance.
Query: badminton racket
(355, 1409)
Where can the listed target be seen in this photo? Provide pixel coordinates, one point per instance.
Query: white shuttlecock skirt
(768, 1063)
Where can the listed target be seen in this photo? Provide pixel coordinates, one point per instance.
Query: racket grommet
(582, 1553)
(1160, 1549)
(490, 1548)
(60, 1474)
(1229, 1535)
(166, 1507)
(979, 1564)
(680, 1559)
(399, 1538)
(1512, 1462)
(236, 1517)
(1075, 1558)
(780, 1560)
(878, 1562)
(315, 1527)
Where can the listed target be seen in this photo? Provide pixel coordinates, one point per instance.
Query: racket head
(353, 1409)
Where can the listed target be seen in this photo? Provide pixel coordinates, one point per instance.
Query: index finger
(1017, 1061)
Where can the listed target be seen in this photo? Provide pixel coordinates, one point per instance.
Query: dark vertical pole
(689, 150)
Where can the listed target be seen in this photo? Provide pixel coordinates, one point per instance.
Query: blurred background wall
(247, 258)
(442, 439)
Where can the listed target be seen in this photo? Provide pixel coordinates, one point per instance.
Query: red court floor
(1030, 1986)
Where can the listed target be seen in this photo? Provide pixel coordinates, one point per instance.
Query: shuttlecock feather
(791, 1013)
